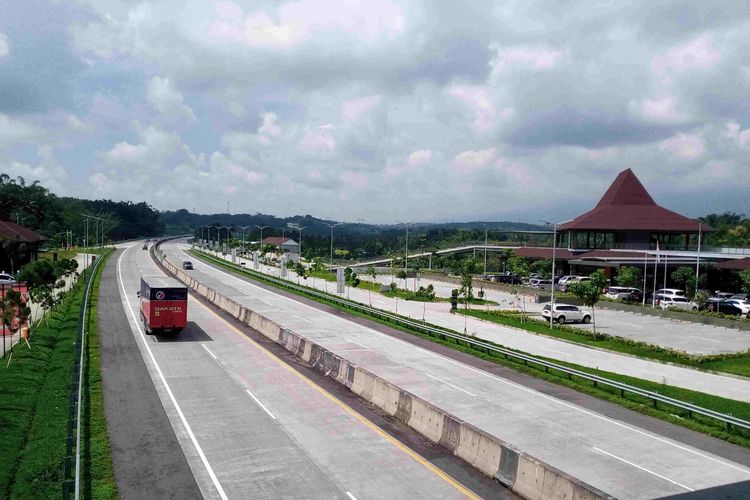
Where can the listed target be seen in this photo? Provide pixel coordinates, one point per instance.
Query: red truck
(163, 305)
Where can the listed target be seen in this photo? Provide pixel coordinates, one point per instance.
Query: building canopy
(627, 206)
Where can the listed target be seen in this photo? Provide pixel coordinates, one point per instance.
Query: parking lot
(694, 338)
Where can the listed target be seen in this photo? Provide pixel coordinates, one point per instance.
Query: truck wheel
(587, 319)
(561, 319)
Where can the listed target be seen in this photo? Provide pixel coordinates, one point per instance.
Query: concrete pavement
(727, 386)
(601, 451)
(251, 427)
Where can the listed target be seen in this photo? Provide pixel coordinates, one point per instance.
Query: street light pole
(298, 228)
(406, 248)
(332, 226)
(261, 227)
(485, 252)
(552, 287)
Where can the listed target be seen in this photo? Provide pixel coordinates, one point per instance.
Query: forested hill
(34, 206)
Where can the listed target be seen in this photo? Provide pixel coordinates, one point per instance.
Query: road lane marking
(643, 469)
(260, 404)
(631, 325)
(352, 497)
(355, 342)
(710, 340)
(454, 386)
(489, 375)
(188, 429)
(418, 458)
(209, 352)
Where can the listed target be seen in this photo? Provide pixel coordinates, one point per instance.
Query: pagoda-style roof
(737, 264)
(627, 206)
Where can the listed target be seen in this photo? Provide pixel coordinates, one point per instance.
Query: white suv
(7, 279)
(565, 285)
(566, 312)
(677, 302)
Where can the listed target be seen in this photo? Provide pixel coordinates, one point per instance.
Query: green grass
(70, 254)
(737, 408)
(736, 363)
(34, 394)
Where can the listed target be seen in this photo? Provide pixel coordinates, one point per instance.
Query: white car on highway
(566, 312)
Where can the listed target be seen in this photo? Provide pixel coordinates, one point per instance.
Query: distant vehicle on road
(186, 264)
(145, 246)
(565, 282)
(163, 305)
(566, 312)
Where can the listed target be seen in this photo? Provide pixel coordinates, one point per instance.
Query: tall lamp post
(227, 228)
(485, 252)
(552, 288)
(298, 228)
(406, 248)
(261, 227)
(332, 226)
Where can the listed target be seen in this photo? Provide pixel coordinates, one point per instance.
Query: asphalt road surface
(609, 454)
(250, 426)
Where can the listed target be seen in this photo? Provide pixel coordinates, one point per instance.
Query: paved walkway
(36, 310)
(439, 314)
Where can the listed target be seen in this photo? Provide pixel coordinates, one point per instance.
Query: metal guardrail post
(732, 423)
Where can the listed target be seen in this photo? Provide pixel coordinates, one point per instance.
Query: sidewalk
(438, 313)
(37, 312)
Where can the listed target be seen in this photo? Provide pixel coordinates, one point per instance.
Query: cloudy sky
(380, 110)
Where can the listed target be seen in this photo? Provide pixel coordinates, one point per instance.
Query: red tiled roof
(627, 206)
(275, 240)
(12, 231)
(543, 253)
(739, 264)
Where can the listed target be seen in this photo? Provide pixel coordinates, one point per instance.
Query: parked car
(739, 296)
(667, 293)
(7, 279)
(506, 277)
(723, 306)
(722, 295)
(565, 286)
(678, 303)
(743, 305)
(541, 284)
(566, 312)
(186, 264)
(621, 292)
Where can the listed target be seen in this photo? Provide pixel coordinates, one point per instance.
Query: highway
(726, 386)
(252, 427)
(607, 453)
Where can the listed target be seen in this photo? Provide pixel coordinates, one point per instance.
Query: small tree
(627, 276)
(685, 277)
(371, 273)
(543, 267)
(590, 291)
(745, 280)
(467, 279)
(301, 271)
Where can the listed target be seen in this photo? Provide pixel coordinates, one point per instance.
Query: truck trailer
(163, 305)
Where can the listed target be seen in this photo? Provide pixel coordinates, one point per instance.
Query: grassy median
(644, 405)
(34, 392)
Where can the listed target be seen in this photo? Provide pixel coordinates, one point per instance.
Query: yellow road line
(448, 479)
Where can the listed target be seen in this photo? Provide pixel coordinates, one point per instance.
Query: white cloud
(14, 131)
(664, 110)
(318, 140)
(738, 135)
(156, 147)
(685, 146)
(420, 157)
(697, 54)
(472, 160)
(168, 100)
(480, 101)
(353, 109)
(4, 45)
(523, 57)
(415, 160)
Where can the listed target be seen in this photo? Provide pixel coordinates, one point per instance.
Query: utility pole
(332, 226)
(406, 250)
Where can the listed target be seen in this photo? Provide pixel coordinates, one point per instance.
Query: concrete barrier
(525, 475)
